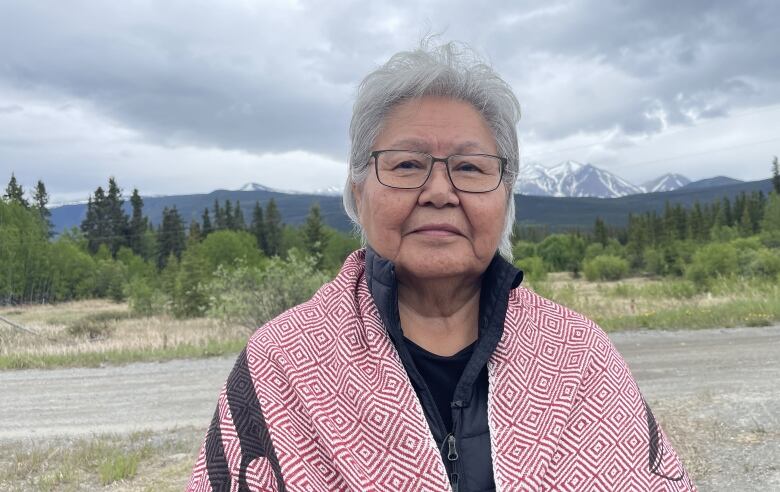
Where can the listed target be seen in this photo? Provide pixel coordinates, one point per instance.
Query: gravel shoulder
(715, 392)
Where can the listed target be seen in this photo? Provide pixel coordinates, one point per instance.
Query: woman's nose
(438, 190)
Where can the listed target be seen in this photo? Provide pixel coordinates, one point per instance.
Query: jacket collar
(499, 278)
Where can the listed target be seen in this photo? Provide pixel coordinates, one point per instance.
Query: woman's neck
(440, 315)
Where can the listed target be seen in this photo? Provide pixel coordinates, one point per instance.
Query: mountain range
(575, 179)
(567, 179)
(557, 213)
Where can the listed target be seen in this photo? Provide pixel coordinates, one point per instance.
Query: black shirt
(441, 375)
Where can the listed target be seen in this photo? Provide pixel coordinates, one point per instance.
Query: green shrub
(765, 263)
(73, 271)
(654, 261)
(533, 267)
(523, 249)
(562, 252)
(110, 280)
(712, 261)
(251, 295)
(144, 299)
(593, 250)
(605, 267)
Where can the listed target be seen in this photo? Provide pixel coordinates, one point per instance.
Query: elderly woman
(424, 365)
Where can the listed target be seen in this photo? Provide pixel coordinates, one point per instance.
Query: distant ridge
(712, 182)
(555, 212)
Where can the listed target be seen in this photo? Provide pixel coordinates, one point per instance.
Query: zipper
(451, 441)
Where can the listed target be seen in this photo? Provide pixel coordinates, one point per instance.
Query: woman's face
(434, 231)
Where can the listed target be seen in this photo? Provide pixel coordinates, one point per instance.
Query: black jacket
(466, 451)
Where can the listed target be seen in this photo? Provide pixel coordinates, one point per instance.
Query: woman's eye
(408, 165)
(468, 168)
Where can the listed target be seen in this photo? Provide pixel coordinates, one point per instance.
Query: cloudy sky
(181, 96)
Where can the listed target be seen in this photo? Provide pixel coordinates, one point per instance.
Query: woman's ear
(357, 194)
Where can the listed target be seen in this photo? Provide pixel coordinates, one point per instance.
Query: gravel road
(715, 391)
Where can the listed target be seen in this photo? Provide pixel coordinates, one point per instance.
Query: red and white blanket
(319, 400)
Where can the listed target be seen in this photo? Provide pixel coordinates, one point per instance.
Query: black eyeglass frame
(446, 160)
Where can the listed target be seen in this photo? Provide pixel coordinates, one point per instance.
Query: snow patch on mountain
(572, 179)
(667, 182)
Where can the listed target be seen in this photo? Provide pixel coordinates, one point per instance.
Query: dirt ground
(715, 392)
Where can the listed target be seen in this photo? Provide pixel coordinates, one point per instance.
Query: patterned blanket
(319, 400)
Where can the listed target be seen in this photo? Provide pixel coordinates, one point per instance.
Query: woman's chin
(427, 265)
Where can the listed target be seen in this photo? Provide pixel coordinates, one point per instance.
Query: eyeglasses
(407, 169)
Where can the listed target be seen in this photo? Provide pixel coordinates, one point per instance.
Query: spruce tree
(273, 229)
(727, 212)
(600, 232)
(138, 224)
(117, 219)
(238, 217)
(96, 225)
(171, 239)
(195, 234)
(229, 217)
(698, 230)
(258, 227)
(745, 223)
(219, 217)
(314, 234)
(40, 200)
(207, 228)
(14, 193)
(776, 176)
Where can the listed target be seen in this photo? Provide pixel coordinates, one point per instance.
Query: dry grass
(140, 461)
(667, 303)
(122, 338)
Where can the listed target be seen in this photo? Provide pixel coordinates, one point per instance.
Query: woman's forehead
(419, 144)
(434, 124)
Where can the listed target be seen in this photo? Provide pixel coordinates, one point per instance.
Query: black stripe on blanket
(656, 447)
(249, 422)
(219, 476)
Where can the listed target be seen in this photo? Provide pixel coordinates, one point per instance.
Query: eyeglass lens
(407, 169)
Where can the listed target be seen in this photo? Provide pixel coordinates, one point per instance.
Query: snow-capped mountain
(328, 191)
(256, 187)
(571, 178)
(667, 182)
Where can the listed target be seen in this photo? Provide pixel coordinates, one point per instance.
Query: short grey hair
(450, 70)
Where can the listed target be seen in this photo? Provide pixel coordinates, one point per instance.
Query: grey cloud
(268, 78)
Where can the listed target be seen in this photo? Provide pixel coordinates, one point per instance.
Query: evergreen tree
(600, 232)
(229, 217)
(770, 223)
(238, 217)
(195, 234)
(699, 231)
(776, 175)
(273, 229)
(40, 200)
(258, 227)
(117, 219)
(207, 228)
(314, 234)
(14, 193)
(96, 226)
(138, 224)
(170, 237)
(745, 224)
(219, 217)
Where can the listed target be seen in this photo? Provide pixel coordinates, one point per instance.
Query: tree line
(184, 268)
(112, 251)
